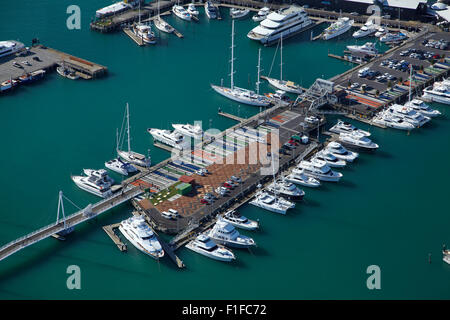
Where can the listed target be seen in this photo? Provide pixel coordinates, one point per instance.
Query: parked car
(236, 179)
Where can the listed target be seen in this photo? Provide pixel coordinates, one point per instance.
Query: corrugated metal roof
(407, 4)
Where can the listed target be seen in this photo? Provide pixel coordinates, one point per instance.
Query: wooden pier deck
(163, 146)
(133, 37)
(231, 116)
(109, 229)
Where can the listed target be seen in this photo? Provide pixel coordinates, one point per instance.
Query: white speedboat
(171, 138)
(211, 10)
(357, 140)
(408, 114)
(239, 94)
(391, 121)
(204, 245)
(236, 13)
(423, 108)
(261, 15)
(366, 30)
(189, 130)
(129, 155)
(240, 221)
(119, 166)
(101, 175)
(330, 159)
(93, 185)
(10, 47)
(381, 31)
(225, 233)
(181, 13)
(393, 37)
(298, 177)
(439, 92)
(339, 151)
(367, 48)
(341, 26)
(286, 21)
(346, 127)
(320, 170)
(192, 10)
(137, 231)
(286, 189)
(272, 203)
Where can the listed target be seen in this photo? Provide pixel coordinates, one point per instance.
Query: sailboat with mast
(129, 155)
(239, 94)
(161, 25)
(144, 31)
(281, 84)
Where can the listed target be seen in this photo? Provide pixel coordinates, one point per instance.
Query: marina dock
(133, 37)
(230, 116)
(109, 229)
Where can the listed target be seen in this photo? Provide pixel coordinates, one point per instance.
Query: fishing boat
(212, 12)
(181, 13)
(341, 26)
(239, 94)
(204, 245)
(236, 13)
(236, 219)
(261, 15)
(129, 155)
(137, 231)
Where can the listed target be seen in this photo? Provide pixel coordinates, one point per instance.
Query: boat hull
(436, 98)
(280, 85)
(209, 255)
(138, 246)
(226, 92)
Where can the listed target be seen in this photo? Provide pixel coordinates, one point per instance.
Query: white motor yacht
(367, 48)
(339, 151)
(423, 108)
(192, 9)
(347, 127)
(393, 37)
(171, 138)
(286, 189)
(93, 185)
(181, 13)
(320, 170)
(204, 245)
(408, 114)
(439, 92)
(239, 221)
(261, 15)
(119, 166)
(189, 130)
(330, 159)
(341, 26)
(225, 233)
(138, 232)
(10, 47)
(101, 175)
(366, 30)
(286, 21)
(272, 203)
(357, 140)
(236, 13)
(144, 32)
(391, 121)
(298, 177)
(211, 10)
(381, 31)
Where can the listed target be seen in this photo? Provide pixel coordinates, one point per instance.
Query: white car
(166, 215)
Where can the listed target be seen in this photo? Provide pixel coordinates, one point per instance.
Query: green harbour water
(390, 209)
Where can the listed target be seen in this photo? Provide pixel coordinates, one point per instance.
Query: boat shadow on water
(347, 183)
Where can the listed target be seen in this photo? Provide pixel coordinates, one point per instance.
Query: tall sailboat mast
(259, 71)
(128, 127)
(232, 56)
(410, 82)
(281, 58)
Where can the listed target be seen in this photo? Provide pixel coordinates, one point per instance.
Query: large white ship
(10, 47)
(171, 138)
(341, 26)
(286, 21)
(439, 92)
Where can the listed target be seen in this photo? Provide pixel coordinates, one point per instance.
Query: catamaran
(131, 156)
(239, 94)
(281, 84)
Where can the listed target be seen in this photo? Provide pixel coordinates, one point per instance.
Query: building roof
(407, 4)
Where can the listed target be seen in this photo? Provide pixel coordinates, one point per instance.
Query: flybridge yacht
(261, 15)
(101, 175)
(341, 26)
(346, 127)
(439, 92)
(391, 121)
(93, 184)
(297, 176)
(423, 108)
(10, 47)
(286, 189)
(181, 13)
(189, 130)
(211, 10)
(225, 233)
(286, 21)
(320, 170)
(236, 13)
(272, 203)
(330, 159)
(239, 94)
(131, 156)
(204, 245)
(119, 166)
(366, 30)
(408, 114)
(367, 48)
(357, 140)
(137, 231)
(171, 138)
(234, 218)
(339, 151)
(393, 37)
(381, 31)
